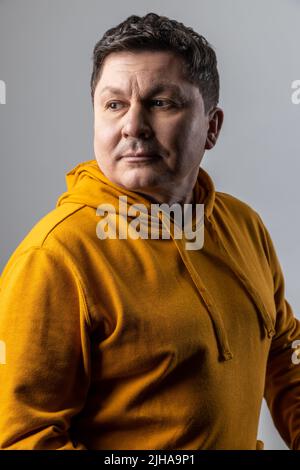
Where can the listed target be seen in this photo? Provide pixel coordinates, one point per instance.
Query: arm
(44, 325)
(282, 388)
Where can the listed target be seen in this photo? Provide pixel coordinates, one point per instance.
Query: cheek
(106, 136)
(187, 143)
(182, 135)
(171, 133)
(195, 135)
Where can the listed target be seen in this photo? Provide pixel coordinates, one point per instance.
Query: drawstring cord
(267, 322)
(220, 332)
(225, 353)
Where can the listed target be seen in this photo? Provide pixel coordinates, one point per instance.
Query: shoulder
(49, 232)
(241, 221)
(59, 219)
(42, 272)
(236, 211)
(230, 203)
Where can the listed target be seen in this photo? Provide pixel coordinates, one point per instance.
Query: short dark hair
(154, 32)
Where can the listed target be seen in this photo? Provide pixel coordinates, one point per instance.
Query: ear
(216, 117)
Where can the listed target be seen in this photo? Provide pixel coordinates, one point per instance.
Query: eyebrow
(157, 88)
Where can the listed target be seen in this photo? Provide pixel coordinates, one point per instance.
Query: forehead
(144, 67)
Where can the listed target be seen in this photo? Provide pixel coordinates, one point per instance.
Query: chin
(139, 178)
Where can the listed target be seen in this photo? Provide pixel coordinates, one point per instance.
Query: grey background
(46, 124)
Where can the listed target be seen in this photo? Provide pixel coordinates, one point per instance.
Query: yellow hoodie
(142, 344)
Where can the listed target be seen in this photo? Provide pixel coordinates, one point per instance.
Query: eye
(161, 101)
(114, 103)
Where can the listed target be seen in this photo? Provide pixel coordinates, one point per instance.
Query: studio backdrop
(46, 117)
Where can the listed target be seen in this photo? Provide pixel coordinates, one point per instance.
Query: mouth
(140, 158)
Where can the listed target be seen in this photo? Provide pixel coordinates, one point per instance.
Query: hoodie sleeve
(282, 387)
(45, 360)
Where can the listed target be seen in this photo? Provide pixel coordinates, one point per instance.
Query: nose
(136, 123)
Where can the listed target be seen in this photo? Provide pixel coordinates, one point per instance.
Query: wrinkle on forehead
(138, 71)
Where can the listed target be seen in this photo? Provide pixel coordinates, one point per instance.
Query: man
(116, 342)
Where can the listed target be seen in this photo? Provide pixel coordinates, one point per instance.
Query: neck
(177, 194)
(168, 199)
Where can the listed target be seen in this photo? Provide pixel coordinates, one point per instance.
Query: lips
(140, 156)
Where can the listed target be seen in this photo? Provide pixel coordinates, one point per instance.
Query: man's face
(150, 125)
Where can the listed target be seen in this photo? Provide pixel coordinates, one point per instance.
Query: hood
(87, 185)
